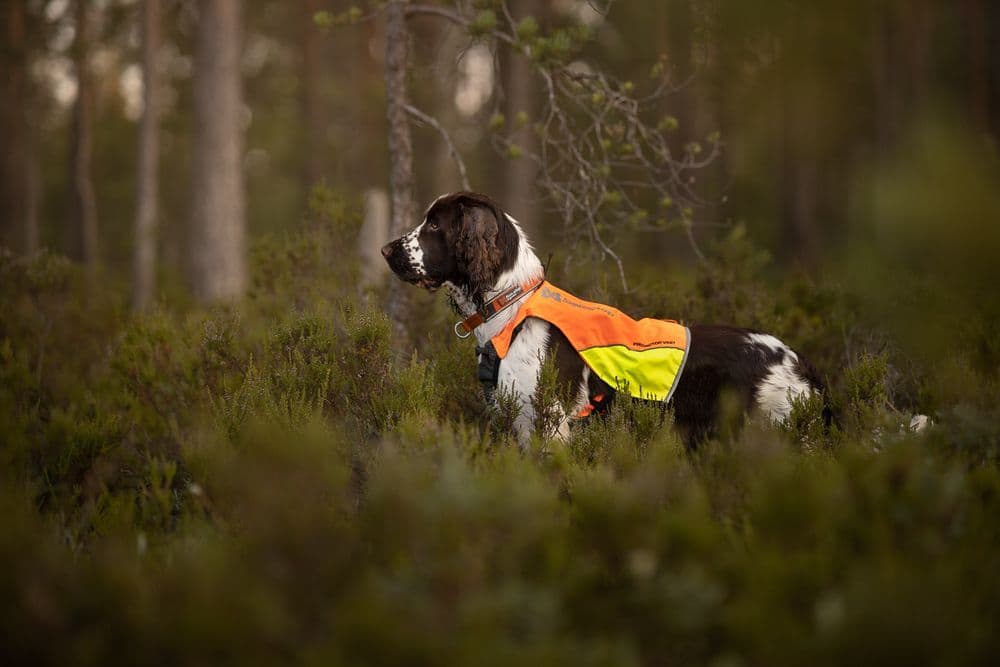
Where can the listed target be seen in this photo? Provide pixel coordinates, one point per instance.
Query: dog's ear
(477, 253)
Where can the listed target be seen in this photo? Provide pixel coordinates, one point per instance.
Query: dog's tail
(919, 423)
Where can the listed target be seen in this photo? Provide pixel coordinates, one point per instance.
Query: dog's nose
(387, 250)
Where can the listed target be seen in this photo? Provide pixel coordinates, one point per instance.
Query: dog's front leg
(519, 372)
(517, 390)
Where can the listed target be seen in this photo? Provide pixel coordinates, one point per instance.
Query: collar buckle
(459, 327)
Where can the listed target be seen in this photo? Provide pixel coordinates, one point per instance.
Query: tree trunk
(799, 178)
(15, 187)
(674, 29)
(883, 81)
(679, 29)
(147, 208)
(914, 17)
(443, 174)
(373, 235)
(218, 224)
(33, 176)
(400, 151)
(993, 68)
(313, 110)
(977, 44)
(84, 201)
(520, 86)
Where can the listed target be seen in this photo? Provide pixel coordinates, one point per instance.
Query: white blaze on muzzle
(414, 253)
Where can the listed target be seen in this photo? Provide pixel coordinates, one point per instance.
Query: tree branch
(455, 155)
(456, 18)
(605, 151)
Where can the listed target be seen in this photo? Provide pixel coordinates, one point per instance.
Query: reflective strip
(650, 374)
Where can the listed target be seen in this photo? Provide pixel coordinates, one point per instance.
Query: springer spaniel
(467, 244)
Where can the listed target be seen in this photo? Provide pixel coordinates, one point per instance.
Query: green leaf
(323, 19)
(667, 124)
(484, 23)
(639, 216)
(527, 29)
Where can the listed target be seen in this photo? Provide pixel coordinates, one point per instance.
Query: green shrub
(275, 482)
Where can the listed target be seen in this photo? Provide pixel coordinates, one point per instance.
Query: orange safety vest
(644, 357)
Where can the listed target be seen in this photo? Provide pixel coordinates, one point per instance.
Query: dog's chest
(518, 373)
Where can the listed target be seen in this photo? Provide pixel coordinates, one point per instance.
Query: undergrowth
(267, 482)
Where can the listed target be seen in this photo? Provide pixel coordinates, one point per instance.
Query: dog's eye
(432, 225)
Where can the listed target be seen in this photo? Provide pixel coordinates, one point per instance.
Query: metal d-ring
(457, 325)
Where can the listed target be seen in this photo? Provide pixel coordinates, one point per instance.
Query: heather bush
(275, 482)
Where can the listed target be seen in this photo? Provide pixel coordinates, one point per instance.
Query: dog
(469, 246)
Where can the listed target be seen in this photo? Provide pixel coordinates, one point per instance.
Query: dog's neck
(527, 267)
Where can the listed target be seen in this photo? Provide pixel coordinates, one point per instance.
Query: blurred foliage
(924, 254)
(269, 482)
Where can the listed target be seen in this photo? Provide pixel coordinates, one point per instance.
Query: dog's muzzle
(396, 257)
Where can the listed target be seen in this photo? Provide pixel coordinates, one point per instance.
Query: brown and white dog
(468, 245)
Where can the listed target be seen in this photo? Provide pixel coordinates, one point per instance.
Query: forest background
(227, 435)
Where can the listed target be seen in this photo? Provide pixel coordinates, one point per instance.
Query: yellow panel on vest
(649, 374)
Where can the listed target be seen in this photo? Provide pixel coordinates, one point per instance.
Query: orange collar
(494, 307)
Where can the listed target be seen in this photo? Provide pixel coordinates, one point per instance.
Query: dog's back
(740, 370)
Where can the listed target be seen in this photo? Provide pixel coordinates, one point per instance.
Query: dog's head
(465, 239)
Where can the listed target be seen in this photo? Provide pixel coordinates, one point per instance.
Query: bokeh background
(811, 100)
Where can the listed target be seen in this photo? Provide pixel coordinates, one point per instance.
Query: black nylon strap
(489, 365)
(489, 369)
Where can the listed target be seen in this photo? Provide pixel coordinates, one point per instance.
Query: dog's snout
(395, 257)
(400, 259)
